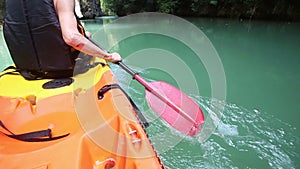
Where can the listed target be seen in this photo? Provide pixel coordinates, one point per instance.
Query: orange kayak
(83, 122)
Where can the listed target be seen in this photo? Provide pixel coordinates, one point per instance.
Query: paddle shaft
(148, 87)
(155, 92)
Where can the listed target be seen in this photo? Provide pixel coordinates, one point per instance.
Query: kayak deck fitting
(86, 127)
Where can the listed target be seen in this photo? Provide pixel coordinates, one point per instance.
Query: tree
(2, 10)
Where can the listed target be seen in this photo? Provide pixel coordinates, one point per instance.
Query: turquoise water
(259, 125)
(4, 54)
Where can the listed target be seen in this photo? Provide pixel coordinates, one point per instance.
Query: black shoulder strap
(35, 136)
(15, 71)
(79, 25)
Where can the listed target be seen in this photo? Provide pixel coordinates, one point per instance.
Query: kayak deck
(103, 133)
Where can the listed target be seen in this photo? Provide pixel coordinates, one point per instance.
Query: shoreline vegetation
(274, 10)
(279, 10)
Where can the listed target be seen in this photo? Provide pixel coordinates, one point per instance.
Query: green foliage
(167, 6)
(108, 7)
(249, 9)
(2, 10)
(262, 9)
(122, 7)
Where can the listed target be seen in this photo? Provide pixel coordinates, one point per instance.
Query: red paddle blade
(187, 119)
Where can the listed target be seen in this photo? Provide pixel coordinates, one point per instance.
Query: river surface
(255, 125)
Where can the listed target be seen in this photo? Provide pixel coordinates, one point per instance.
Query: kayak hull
(101, 133)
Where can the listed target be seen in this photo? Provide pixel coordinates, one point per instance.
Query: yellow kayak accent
(17, 86)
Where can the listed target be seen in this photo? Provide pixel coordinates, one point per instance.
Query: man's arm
(68, 23)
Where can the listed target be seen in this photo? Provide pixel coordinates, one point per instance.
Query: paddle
(172, 105)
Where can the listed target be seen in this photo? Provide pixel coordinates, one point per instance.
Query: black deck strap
(10, 73)
(10, 67)
(140, 116)
(84, 63)
(98, 63)
(105, 89)
(35, 136)
(14, 71)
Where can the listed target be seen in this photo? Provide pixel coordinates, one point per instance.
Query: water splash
(234, 137)
(243, 139)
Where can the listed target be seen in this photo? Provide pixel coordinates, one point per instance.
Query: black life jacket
(34, 38)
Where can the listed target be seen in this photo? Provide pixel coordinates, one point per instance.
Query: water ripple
(243, 139)
(238, 137)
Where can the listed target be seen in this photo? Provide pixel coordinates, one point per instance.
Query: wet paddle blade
(172, 105)
(175, 118)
